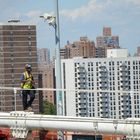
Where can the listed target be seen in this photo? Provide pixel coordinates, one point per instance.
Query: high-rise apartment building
(111, 84)
(46, 69)
(17, 48)
(83, 48)
(48, 81)
(106, 41)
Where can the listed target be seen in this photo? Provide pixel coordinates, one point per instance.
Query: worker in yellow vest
(27, 83)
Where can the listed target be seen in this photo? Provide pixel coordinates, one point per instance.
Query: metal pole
(15, 95)
(59, 101)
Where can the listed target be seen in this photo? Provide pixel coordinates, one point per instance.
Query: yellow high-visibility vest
(28, 84)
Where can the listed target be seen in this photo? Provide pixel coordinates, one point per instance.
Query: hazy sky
(78, 18)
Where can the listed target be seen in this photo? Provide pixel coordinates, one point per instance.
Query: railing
(16, 120)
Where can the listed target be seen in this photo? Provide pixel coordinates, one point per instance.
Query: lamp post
(59, 98)
(54, 21)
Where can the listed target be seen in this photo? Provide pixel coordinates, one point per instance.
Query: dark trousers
(27, 103)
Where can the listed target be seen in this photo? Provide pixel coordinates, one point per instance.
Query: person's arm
(33, 82)
(22, 79)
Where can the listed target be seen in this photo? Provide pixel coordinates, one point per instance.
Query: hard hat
(27, 66)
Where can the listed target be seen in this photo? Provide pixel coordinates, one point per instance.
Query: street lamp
(51, 19)
(54, 21)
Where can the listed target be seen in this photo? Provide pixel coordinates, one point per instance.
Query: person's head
(28, 67)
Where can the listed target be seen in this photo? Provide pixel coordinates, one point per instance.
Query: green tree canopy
(49, 108)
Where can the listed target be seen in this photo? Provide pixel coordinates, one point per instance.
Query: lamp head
(51, 19)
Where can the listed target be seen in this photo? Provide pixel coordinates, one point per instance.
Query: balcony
(125, 104)
(125, 113)
(104, 104)
(103, 100)
(81, 79)
(124, 78)
(123, 68)
(102, 67)
(82, 101)
(103, 79)
(123, 74)
(104, 115)
(103, 85)
(124, 83)
(82, 106)
(81, 86)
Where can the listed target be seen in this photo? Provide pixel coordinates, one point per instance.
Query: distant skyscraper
(17, 48)
(107, 41)
(107, 31)
(112, 86)
(43, 56)
(83, 48)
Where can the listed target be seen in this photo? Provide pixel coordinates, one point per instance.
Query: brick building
(17, 48)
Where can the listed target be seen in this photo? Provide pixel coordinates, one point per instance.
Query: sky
(78, 18)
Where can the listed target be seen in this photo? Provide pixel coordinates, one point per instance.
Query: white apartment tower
(111, 84)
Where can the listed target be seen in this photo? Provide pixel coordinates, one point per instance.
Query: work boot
(30, 109)
(26, 110)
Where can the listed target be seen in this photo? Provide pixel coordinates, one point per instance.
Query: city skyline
(80, 18)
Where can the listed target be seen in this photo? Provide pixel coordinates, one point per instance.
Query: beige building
(17, 48)
(48, 81)
(46, 69)
(82, 48)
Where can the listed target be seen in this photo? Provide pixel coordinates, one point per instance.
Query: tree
(49, 108)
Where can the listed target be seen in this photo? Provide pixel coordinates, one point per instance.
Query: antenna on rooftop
(13, 21)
